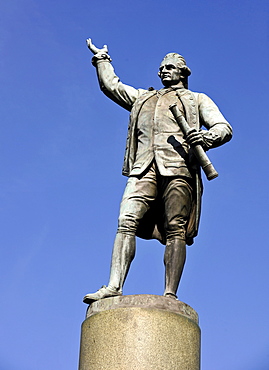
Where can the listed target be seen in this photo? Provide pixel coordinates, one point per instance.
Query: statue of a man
(163, 194)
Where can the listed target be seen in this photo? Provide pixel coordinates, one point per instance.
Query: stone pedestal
(140, 332)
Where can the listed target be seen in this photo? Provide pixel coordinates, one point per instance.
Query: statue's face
(170, 73)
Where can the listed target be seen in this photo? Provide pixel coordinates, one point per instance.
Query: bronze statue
(162, 197)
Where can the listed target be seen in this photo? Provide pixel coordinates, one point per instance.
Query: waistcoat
(157, 140)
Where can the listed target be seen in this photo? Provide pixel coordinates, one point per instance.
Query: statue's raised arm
(109, 82)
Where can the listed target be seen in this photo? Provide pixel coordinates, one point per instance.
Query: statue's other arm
(219, 130)
(110, 84)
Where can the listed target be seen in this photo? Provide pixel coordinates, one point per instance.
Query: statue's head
(173, 70)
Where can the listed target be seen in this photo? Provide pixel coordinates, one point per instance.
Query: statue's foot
(170, 295)
(103, 292)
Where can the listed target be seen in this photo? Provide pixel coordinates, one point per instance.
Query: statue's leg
(137, 198)
(122, 256)
(177, 196)
(138, 195)
(174, 260)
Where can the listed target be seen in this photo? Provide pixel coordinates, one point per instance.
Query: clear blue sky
(61, 149)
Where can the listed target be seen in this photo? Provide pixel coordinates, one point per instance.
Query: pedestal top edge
(143, 301)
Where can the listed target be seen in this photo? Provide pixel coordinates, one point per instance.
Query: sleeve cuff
(100, 56)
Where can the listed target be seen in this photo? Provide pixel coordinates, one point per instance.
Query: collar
(166, 90)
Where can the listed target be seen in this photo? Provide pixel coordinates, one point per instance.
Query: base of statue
(140, 332)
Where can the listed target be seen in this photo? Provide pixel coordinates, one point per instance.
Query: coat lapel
(130, 150)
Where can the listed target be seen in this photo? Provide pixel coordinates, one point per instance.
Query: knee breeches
(175, 193)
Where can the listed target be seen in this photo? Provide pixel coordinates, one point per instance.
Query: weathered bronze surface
(163, 194)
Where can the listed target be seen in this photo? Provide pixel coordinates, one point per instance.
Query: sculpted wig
(181, 63)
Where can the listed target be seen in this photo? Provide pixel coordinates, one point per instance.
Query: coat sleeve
(112, 87)
(219, 131)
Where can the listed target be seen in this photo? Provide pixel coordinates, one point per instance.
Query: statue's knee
(175, 229)
(127, 224)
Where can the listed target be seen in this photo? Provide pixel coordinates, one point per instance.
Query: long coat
(151, 226)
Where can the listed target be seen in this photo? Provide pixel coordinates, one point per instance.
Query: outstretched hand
(94, 49)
